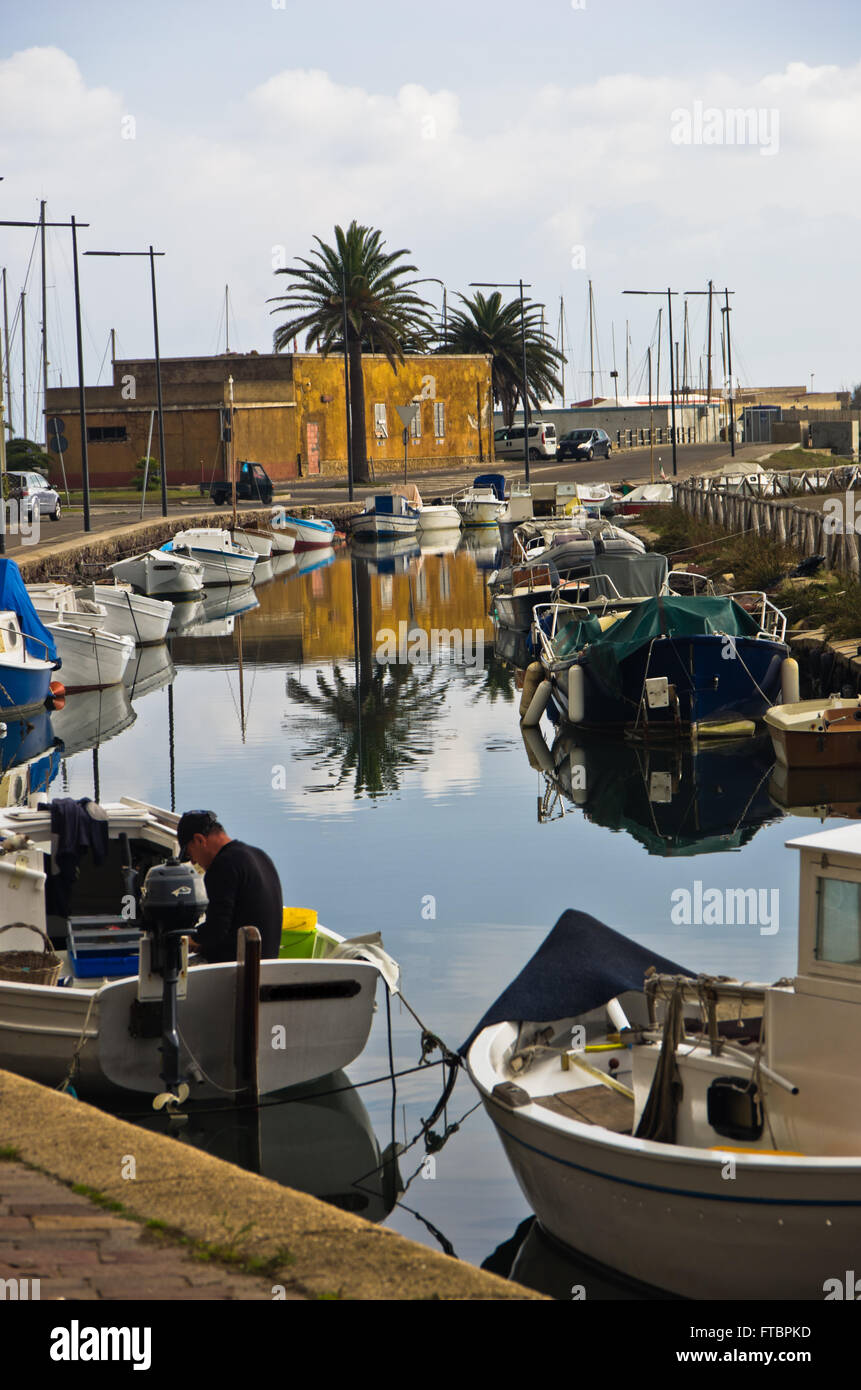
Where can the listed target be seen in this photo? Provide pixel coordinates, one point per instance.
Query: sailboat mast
(226, 320)
(241, 681)
(591, 347)
(8, 363)
(44, 322)
(24, 361)
(562, 344)
(232, 448)
(627, 364)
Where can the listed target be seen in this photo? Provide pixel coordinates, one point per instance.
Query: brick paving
(77, 1250)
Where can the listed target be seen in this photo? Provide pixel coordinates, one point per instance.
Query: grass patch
(832, 603)
(9, 1154)
(804, 458)
(98, 1198)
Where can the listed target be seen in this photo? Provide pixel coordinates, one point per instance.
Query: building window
(439, 419)
(107, 434)
(381, 426)
(416, 422)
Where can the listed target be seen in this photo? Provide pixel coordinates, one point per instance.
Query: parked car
(34, 496)
(584, 444)
(253, 485)
(508, 443)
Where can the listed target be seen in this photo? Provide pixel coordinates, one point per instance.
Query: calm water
(403, 799)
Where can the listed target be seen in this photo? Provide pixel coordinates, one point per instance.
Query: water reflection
(674, 799)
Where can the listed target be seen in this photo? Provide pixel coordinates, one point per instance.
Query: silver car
(34, 495)
(508, 443)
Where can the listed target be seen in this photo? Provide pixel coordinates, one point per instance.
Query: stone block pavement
(78, 1250)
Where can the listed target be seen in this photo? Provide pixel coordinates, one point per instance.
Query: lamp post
(152, 255)
(669, 293)
(524, 386)
(435, 280)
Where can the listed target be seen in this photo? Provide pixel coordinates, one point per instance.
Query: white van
(508, 443)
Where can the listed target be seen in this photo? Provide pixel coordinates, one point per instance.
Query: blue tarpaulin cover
(14, 597)
(580, 966)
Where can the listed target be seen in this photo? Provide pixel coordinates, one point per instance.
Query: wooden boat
(817, 733)
(102, 1026)
(433, 516)
(746, 1183)
(160, 572)
(252, 538)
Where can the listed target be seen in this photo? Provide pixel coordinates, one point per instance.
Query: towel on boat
(76, 826)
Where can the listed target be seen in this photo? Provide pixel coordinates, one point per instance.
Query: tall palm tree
(383, 312)
(491, 327)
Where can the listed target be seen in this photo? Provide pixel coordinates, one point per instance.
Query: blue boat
(28, 655)
(387, 517)
(668, 665)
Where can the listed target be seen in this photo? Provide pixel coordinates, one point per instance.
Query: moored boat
(483, 503)
(102, 1025)
(695, 1133)
(160, 572)
(126, 614)
(817, 733)
(308, 532)
(386, 517)
(91, 658)
(222, 561)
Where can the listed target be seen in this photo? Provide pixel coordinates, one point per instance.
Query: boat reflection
(674, 799)
(29, 758)
(219, 609)
(439, 542)
(484, 544)
(92, 717)
(149, 669)
(816, 792)
(308, 560)
(185, 613)
(531, 1258)
(387, 557)
(316, 1138)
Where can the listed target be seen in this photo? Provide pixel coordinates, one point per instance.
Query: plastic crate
(97, 967)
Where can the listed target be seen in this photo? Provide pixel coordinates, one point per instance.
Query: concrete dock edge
(331, 1253)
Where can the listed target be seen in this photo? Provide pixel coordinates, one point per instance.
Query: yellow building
(289, 415)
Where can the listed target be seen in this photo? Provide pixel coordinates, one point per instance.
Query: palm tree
(488, 326)
(383, 313)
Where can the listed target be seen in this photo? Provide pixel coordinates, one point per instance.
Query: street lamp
(669, 293)
(152, 255)
(524, 387)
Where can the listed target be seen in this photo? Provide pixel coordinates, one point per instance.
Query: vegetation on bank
(802, 459)
(830, 600)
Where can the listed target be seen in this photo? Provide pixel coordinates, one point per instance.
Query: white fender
(576, 695)
(790, 685)
(533, 715)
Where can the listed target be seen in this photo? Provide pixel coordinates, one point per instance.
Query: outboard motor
(173, 899)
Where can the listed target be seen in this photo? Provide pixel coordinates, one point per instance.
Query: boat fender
(576, 695)
(537, 751)
(532, 678)
(56, 696)
(540, 700)
(790, 688)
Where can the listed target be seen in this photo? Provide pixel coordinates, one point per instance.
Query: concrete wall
(841, 436)
(701, 421)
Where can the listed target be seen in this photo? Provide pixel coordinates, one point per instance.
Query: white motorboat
(91, 658)
(482, 504)
(308, 532)
(127, 614)
(433, 516)
(283, 542)
(222, 561)
(698, 1134)
(101, 1028)
(55, 601)
(159, 572)
(388, 516)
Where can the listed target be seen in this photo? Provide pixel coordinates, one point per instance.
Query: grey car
(34, 495)
(508, 443)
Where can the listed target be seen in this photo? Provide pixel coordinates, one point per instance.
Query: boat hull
(159, 573)
(90, 659)
(439, 518)
(667, 1215)
(222, 566)
(326, 1017)
(475, 512)
(307, 533)
(710, 688)
(25, 687)
(143, 619)
(830, 742)
(370, 526)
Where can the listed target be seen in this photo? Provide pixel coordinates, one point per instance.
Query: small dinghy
(387, 517)
(159, 572)
(128, 1012)
(308, 532)
(696, 1133)
(482, 504)
(817, 733)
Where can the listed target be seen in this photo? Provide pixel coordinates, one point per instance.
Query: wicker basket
(30, 967)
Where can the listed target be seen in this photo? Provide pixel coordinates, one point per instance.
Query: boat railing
(708, 587)
(771, 619)
(557, 608)
(531, 577)
(25, 637)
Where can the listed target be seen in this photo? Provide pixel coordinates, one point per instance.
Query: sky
(559, 142)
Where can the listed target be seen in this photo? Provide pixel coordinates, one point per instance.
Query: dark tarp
(631, 576)
(580, 966)
(13, 596)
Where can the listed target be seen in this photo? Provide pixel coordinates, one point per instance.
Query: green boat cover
(660, 617)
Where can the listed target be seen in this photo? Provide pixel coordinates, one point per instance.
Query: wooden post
(247, 1014)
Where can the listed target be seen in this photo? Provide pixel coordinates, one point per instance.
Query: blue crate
(94, 967)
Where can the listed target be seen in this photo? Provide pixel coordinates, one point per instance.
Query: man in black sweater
(242, 885)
